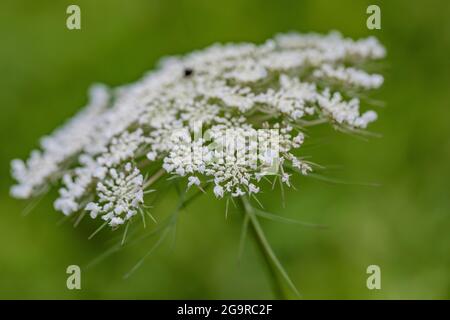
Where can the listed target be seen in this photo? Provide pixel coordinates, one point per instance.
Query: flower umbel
(252, 102)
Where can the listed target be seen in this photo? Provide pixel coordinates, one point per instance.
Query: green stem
(154, 178)
(270, 258)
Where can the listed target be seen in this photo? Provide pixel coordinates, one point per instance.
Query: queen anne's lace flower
(349, 76)
(250, 102)
(120, 195)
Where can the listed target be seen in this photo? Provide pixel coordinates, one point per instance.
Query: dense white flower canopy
(249, 101)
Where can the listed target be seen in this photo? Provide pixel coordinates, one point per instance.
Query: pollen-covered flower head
(227, 115)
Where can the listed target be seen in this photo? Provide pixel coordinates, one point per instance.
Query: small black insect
(188, 72)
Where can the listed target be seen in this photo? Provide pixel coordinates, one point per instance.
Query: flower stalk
(274, 266)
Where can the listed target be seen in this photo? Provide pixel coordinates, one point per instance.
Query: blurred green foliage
(402, 226)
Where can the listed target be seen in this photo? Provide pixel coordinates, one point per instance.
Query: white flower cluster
(237, 157)
(251, 100)
(120, 196)
(349, 76)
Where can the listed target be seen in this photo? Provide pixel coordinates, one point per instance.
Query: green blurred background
(402, 226)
